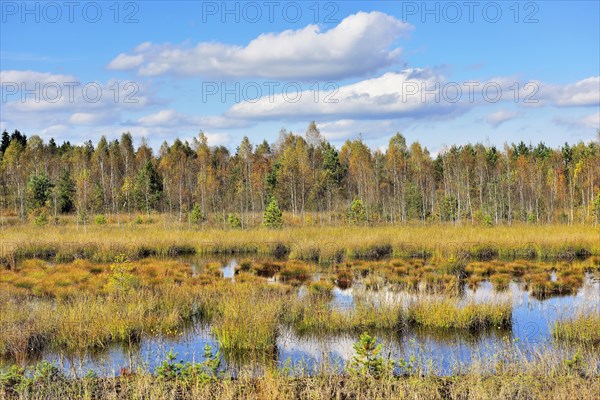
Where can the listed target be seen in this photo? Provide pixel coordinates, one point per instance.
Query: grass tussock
(316, 316)
(449, 314)
(247, 319)
(581, 329)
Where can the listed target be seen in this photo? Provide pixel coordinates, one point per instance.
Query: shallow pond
(443, 352)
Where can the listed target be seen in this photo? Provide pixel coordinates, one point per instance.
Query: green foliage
(5, 142)
(234, 221)
(47, 372)
(12, 376)
(448, 209)
(357, 214)
(334, 171)
(197, 216)
(597, 205)
(577, 363)
(41, 219)
(66, 192)
(368, 361)
(39, 189)
(100, 220)
(122, 278)
(82, 216)
(204, 372)
(273, 217)
(487, 220)
(170, 369)
(147, 188)
(407, 367)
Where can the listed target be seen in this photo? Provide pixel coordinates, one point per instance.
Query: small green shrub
(273, 217)
(41, 219)
(197, 216)
(100, 220)
(121, 278)
(368, 361)
(234, 221)
(357, 214)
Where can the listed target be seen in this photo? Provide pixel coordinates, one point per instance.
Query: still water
(433, 351)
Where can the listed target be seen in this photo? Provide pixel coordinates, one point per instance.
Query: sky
(441, 73)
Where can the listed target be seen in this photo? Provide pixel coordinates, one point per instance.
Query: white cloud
(30, 78)
(217, 139)
(84, 118)
(591, 122)
(343, 129)
(392, 95)
(37, 92)
(499, 117)
(174, 119)
(360, 44)
(584, 93)
(54, 131)
(125, 62)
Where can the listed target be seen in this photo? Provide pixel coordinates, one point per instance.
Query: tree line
(305, 176)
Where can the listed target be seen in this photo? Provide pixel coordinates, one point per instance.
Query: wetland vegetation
(297, 270)
(283, 317)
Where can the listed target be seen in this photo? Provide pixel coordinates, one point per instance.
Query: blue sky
(357, 68)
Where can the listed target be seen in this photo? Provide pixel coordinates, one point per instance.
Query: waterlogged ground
(442, 352)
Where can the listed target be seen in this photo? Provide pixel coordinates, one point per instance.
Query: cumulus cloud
(360, 44)
(584, 93)
(35, 92)
(499, 117)
(410, 93)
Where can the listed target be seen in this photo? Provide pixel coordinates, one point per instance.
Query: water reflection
(434, 350)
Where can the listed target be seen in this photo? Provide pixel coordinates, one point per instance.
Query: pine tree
(5, 142)
(66, 192)
(357, 213)
(273, 217)
(39, 189)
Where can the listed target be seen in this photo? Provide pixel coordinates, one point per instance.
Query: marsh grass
(80, 305)
(247, 319)
(315, 315)
(321, 288)
(102, 243)
(581, 329)
(510, 375)
(91, 321)
(449, 314)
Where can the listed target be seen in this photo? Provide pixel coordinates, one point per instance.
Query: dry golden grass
(324, 243)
